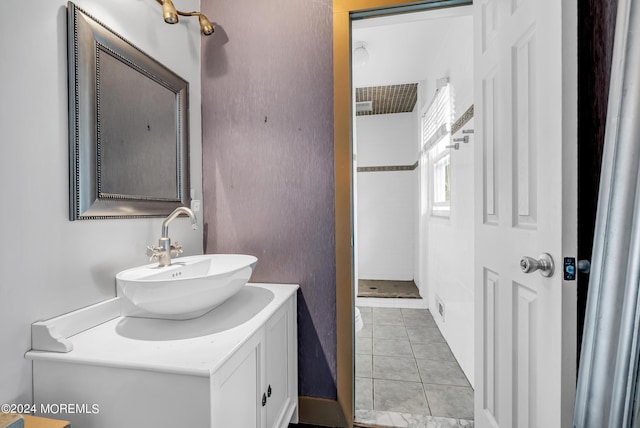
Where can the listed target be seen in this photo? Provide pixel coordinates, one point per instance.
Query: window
(436, 136)
(441, 191)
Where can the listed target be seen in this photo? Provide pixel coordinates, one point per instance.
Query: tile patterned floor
(406, 374)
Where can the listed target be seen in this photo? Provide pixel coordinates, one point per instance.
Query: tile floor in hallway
(405, 367)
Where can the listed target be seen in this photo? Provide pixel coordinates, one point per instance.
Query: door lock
(544, 264)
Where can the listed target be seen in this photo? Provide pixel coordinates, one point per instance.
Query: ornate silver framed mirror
(128, 127)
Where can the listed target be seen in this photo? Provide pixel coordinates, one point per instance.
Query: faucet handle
(176, 249)
(153, 252)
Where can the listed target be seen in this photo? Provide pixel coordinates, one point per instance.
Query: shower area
(387, 190)
(412, 82)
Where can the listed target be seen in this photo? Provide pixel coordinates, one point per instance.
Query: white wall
(407, 48)
(453, 58)
(447, 243)
(450, 258)
(386, 200)
(50, 265)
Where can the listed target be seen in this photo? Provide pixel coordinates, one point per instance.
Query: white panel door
(525, 181)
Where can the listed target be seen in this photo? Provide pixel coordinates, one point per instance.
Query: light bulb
(169, 12)
(360, 54)
(205, 25)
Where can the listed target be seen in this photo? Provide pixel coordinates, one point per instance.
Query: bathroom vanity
(235, 366)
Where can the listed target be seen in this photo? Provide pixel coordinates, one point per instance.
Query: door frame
(342, 123)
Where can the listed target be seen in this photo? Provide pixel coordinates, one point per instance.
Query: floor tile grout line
(424, 390)
(426, 397)
(398, 380)
(446, 384)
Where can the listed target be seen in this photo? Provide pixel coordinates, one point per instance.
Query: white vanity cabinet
(258, 386)
(279, 357)
(233, 367)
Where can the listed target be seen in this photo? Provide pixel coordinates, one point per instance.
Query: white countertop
(195, 347)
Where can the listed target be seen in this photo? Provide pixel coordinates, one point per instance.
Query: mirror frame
(87, 39)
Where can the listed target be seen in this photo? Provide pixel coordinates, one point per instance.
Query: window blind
(436, 121)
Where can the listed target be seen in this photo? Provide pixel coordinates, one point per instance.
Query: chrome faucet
(165, 248)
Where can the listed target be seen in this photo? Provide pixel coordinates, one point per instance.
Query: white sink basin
(189, 288)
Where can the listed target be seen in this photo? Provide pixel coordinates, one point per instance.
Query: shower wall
(386, 198)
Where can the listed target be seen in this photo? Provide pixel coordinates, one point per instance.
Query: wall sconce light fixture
(170, 15)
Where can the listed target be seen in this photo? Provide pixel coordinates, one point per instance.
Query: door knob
(544, 264)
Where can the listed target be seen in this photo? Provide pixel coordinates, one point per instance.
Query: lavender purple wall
(267, 117)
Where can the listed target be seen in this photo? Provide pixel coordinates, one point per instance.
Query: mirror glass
(128, 127)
